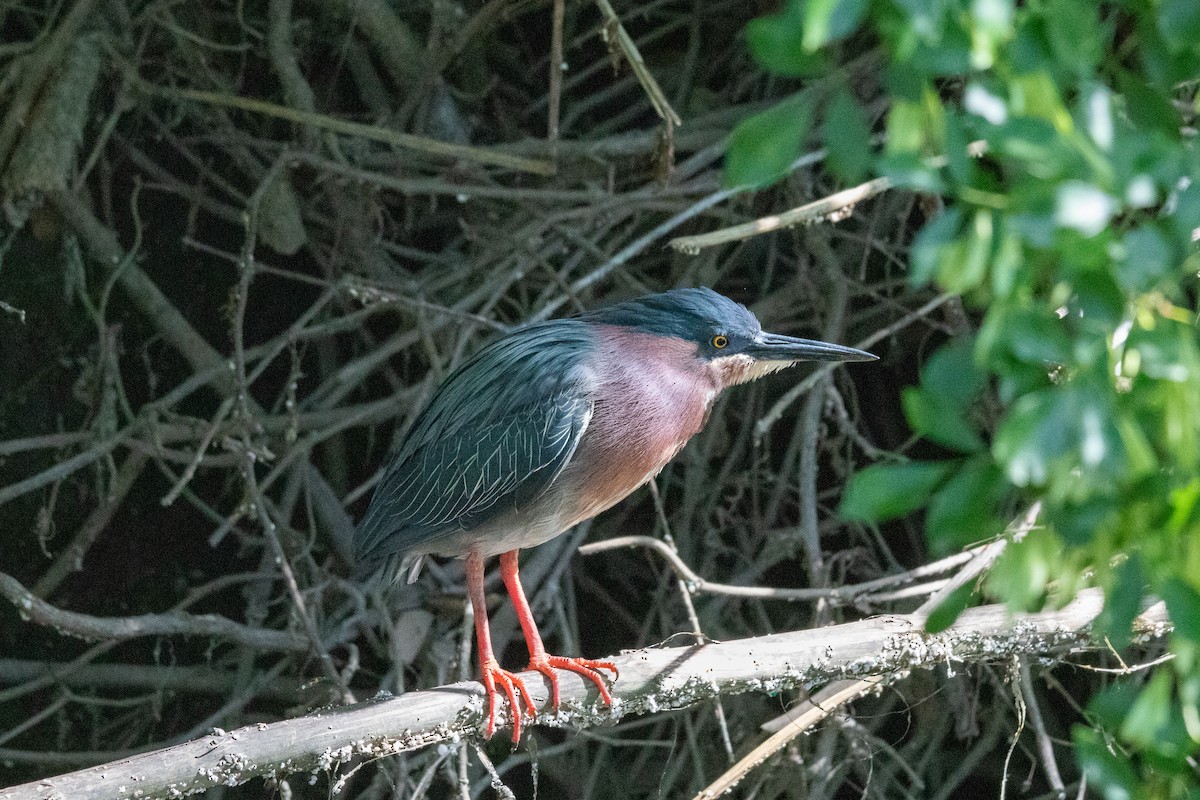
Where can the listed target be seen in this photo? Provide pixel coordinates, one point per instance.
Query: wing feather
(494, 437)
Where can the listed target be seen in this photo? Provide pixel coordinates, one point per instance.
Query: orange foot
(512, 685)
(586, 667)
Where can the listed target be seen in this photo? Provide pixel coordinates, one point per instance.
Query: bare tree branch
(650, 680)
(86, 626)
(144, 677)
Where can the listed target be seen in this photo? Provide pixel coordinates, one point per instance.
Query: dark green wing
(494, 437)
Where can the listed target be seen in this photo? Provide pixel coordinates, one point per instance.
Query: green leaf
(886, 491)
(904, 83)
(1037, 337)
(928, 19)
(1152, 108)
(1122, 601)
(1183, 604)
(1111, 704)
(1185, 503)
(1036, 94)
(1030, 140)
(1179, 22)
(1021, 574)
(959, 163)
(964, 268)
(828, 20)
(847, 138)
(1081, 523)
(762, 147)
(1099, 301)
(1149, 258)
(939, 410)
(777, 43)
(1149, 711)
(933, 416)
(1034, 433)
(1180, 422)
(1075, 35)
(992, 24)
(952, 57)
(1188, 689)
(1052, 432)
(909, 171)
(1186, 216)
(1155, 723)
(1112, 775)
(963, 511)
(1008, 263)
(905, 127)
(951, 372)
(933, 245)
(947, 611)
(1166, 352)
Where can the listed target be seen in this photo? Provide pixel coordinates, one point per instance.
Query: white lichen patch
(330, 758)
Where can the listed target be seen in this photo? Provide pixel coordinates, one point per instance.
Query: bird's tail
(382, 572)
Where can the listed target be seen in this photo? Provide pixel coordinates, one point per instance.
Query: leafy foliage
(1074, 236)
(764, 146)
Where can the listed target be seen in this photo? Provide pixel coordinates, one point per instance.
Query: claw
(513, 685)
(586, 667)
(538, 658)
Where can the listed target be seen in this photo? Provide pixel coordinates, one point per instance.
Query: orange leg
(489, 667)
(538, 659)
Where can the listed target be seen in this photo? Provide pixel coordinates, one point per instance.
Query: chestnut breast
(652, 395)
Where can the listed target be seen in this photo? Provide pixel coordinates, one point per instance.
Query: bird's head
(728, 339)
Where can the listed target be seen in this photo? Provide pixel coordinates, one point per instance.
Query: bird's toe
(585, 667)
(513, 687)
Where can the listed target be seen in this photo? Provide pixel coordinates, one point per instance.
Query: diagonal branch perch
(651, 680)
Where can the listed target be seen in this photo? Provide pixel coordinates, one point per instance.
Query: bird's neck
(662, 370)
(650, 396)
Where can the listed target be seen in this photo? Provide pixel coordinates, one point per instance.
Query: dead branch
(422, 144)
(144, 677)
(86, 626)
(651, 680)
(850, 594)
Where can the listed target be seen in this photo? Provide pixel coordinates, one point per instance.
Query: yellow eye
(720, 342)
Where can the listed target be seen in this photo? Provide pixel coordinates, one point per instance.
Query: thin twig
(818, 708)
(127, 676)
(693, 618)
(815, 211)
(557, 65)
(1044, 742)
(71, 557)
(832, 208)
(246, 411)
(66, 467)
(845, 594)
(201, 447)
(375, 133)
(615, 34)
(174, 623)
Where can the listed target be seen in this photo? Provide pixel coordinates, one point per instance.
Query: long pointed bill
(774, 347)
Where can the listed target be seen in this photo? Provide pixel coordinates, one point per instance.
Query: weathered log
(651, 680)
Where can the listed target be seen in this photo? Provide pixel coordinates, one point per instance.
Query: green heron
(547, 427)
